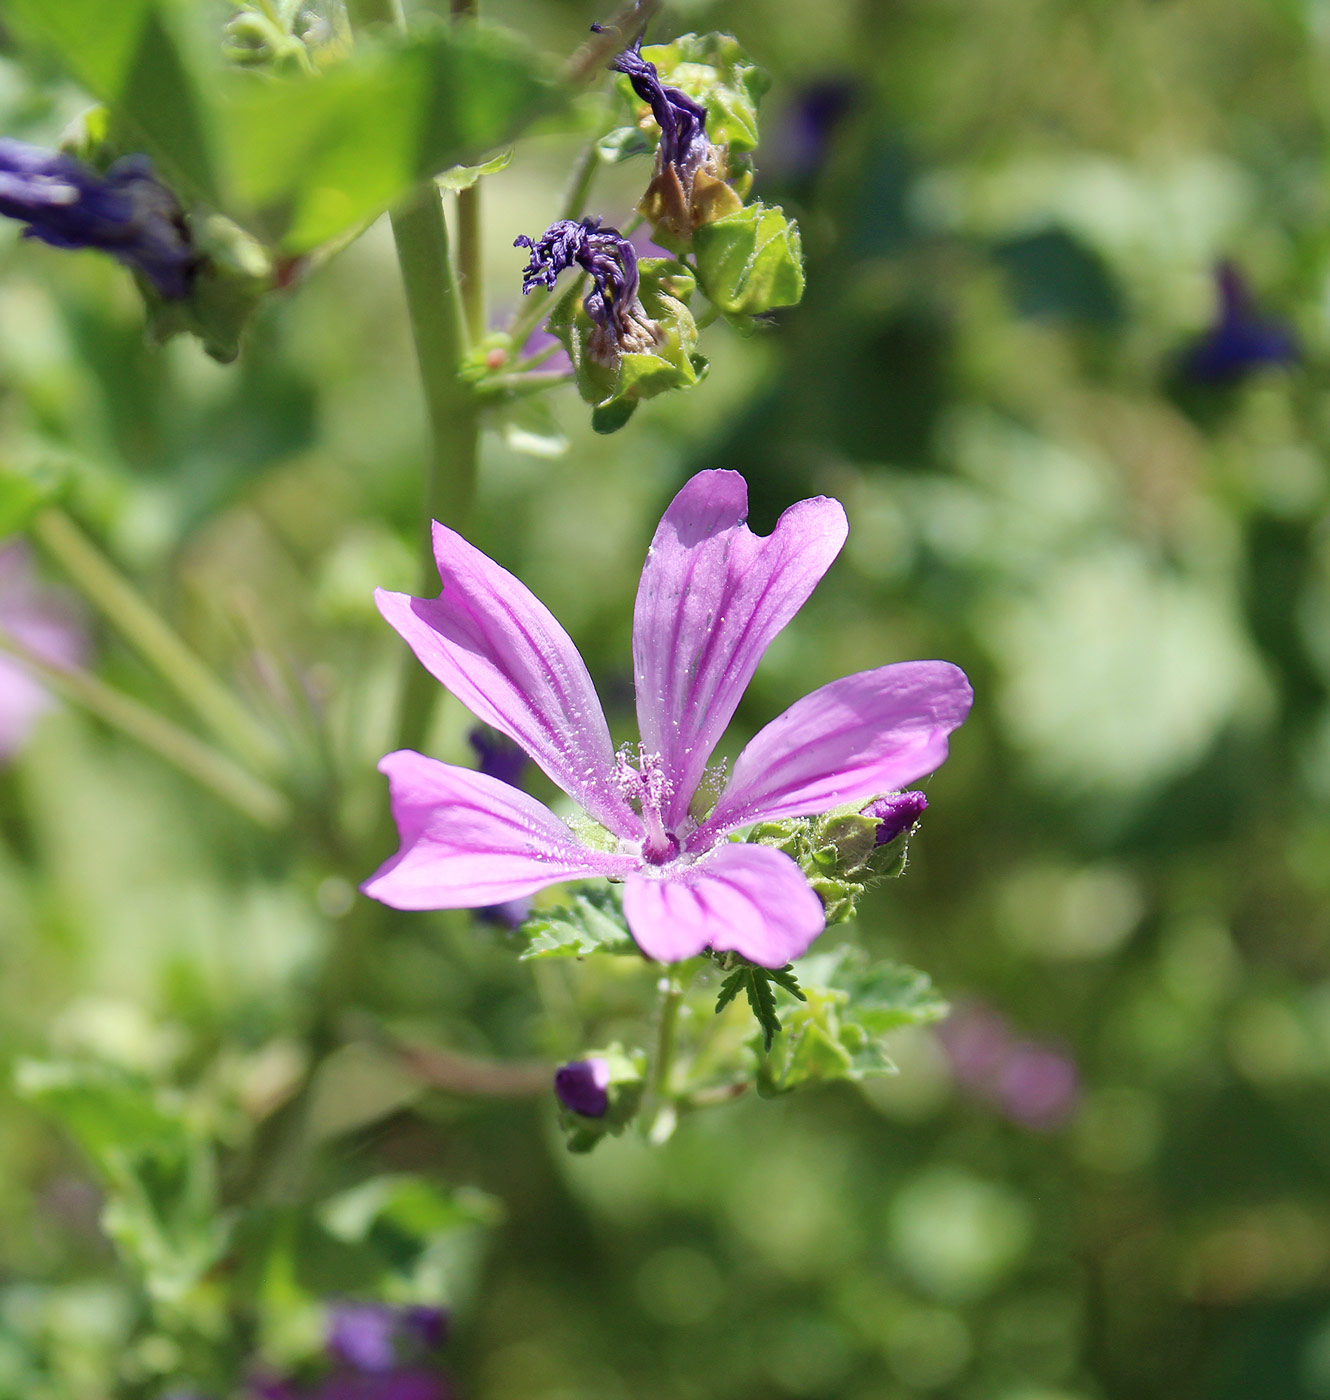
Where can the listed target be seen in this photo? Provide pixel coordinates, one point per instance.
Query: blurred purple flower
(127, 212)
(1034, 1083)
(583, 1086)
(376, 1337)
(1240, 340)
(1038, 1085)
(712, 598)
(44, 622)
(622, 325)
(896, 815)
(404, 1383)
(800, 139)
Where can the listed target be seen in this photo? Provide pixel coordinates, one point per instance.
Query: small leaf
(750, 261)
(462, 177)
(607, 418)
(589, 923)
(24, 490)
(763, 1001)
(730, 988)
(623, 143)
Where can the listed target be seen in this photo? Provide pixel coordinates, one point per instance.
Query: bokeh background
(1062, 356)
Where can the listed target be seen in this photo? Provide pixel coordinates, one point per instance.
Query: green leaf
(750, 261)
(296, 158)
(623, 143)
(462, 177)
(757, 985)
(24, 490)
(590, 922)
(715, 71)
(157, 1170)
(837, 1033)
(607, 418)
(528, 425)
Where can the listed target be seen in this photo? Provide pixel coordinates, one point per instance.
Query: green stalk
(659, 1113)
(434, 307)
(470, 262)
(256, 800)
(145, 630)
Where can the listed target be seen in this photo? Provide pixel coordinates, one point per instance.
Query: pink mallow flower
(712, 597)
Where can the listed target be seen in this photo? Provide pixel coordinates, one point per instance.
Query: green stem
(470, 248)
(144, 629)
(214, 771)
(659, 1113)
(438, 330)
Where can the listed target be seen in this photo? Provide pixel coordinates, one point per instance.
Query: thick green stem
(435, 311)
(144, 629)
(214, 771)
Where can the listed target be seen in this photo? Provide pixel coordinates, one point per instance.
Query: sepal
(750, 261)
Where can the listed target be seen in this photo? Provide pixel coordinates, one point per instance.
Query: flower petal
(470, 840)
(752, 900)
(499, 649)
(850, 741)
(713, 595)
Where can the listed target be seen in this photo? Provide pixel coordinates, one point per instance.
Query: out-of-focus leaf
(157, 1170)
(462, 177)
(302, 157)
(24, 490)
(750, 261)
(589, 923)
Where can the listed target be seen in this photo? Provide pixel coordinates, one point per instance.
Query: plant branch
(146, 631)
(262, 804)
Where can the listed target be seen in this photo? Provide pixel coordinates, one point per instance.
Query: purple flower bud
(611, 261)
(1240, 340)
(896, 815)
(583, 1086)
(127, 212)
(497, 756)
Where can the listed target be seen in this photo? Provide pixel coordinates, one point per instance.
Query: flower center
(645, 784)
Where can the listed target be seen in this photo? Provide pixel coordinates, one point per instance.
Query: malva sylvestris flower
(712, 597)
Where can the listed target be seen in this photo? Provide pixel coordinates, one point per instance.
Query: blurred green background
(1108, 1178)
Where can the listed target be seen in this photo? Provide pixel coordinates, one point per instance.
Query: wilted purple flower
(712, 597)
(583, 1086)
(690, 171)
(127, 212)
(622, 324)
(896, 814)
(1240, 340)
(43, 622)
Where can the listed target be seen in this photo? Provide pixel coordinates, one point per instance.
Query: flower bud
(583, 1086)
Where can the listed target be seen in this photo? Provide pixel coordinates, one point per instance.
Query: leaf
(157, 1170)
(528, 425)
(850, 1005)
(623, 143)
(462, 177)
(297, 158)
(24, 490)
(750, 261)
(757, 985)
(589, 923)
